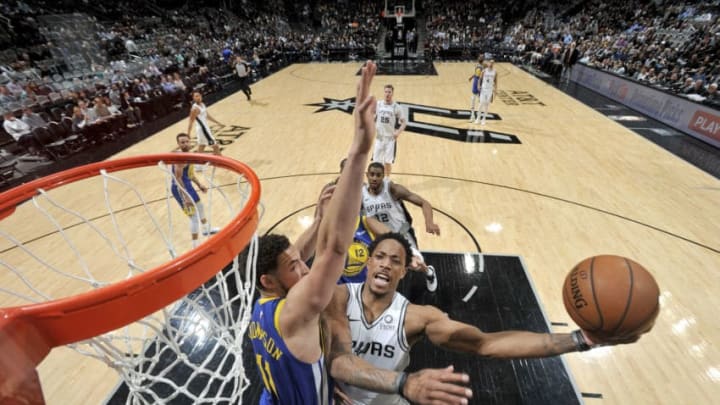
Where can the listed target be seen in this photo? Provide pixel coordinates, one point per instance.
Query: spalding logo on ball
(611, 296)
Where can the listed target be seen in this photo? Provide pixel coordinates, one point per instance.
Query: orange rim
(43, 326)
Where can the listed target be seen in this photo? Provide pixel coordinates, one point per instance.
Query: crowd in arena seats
(672, 46)
(462, 25)
(116, 65)
(100, 101)
(356, 27)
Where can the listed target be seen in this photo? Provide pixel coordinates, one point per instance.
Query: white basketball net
(124, 224)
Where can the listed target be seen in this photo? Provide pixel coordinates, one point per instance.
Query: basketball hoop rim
(85, 315)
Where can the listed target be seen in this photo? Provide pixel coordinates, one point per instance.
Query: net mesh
(104, 229)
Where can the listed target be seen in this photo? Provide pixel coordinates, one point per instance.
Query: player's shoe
(472, 118)
(477, 120)
(482, 122)
(431, 279)
(210, 231)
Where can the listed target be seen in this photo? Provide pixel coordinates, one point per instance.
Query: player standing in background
(199, 116)
(475, 98)
(186, 195)
(383, 199)
(388, 113)
(366, 230)
(488, 86)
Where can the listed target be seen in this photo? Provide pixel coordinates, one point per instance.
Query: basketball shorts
(189, 211)
(384, 150)
(486, 97)
(204, 135)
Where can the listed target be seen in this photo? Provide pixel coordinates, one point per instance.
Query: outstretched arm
(402, 193)
(311, 295)
(422, 387)
(458, 336)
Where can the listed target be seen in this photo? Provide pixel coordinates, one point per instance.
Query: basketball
(611, 296)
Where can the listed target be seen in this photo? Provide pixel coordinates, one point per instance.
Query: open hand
(597, 340)
(438, 386)
(323, 200)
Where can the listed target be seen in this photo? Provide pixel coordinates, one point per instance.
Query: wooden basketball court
(577, 185)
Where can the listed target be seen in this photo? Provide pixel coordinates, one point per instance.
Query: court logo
(514, 97)
(416, 125)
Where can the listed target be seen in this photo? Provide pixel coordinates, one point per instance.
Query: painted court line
(470, 293)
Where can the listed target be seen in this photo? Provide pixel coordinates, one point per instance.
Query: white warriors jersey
(382, 343)
(386, 115)
(488, 80)
(385, 208)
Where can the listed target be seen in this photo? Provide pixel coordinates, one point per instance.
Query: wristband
(579, 339)
(401, 380)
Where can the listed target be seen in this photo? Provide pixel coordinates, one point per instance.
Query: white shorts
(384, 150)
(204, 135)
(486, 97)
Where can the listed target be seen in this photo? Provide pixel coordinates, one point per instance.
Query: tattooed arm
(344, 365)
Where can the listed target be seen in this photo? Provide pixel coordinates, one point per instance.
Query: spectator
(79, 121)
(688, 87)
(131, 111)
(87, 112)
(101, 110)
(178, 82)
(16, 90)
(712, 96)
(112, 107)
(569, 59)
(699, 88)
(15, 127)
(138, 90)
(168, 86)
(114, 94)
(6, 96)
(152, 71)
(33, 119)
(146, 87)
(226, 53)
